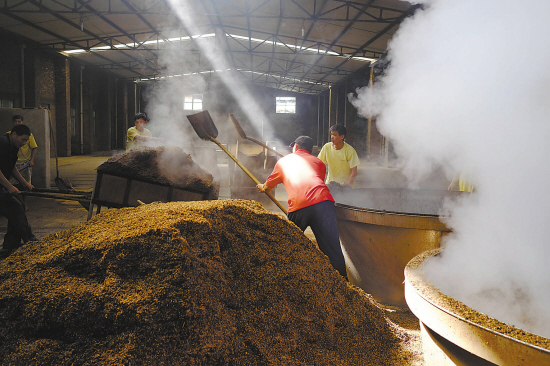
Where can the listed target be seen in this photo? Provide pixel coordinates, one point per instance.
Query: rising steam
(183, 74)
(468, 89)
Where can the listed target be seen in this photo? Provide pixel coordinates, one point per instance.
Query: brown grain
(186, 283)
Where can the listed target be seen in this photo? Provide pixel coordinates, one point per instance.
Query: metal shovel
(243, 135)
(60, 183)
(204, 127)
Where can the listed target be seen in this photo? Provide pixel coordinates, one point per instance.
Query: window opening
(192, 102)
(285, 105)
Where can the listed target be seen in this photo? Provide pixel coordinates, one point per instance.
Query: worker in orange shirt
(309, 200)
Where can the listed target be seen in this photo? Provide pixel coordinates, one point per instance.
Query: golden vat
(454, 334)
(382, 229)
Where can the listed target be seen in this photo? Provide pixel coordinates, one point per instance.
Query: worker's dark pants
(321, 217)
(18, 226)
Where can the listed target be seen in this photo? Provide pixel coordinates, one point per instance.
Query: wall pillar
(62, 127)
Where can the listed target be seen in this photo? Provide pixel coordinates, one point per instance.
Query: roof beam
(411, 10)
(77, 26)
(348, 27)
(85, 4)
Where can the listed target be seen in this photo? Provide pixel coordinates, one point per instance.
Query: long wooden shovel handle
(264, 146)
(249, 174)
(243, 135)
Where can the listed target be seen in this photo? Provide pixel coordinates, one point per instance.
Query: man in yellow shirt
(138, 135)
(341, 158)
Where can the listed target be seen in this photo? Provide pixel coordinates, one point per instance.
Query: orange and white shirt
(303, 176)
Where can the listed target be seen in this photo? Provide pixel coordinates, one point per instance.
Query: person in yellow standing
(25, 157)
(341, 158)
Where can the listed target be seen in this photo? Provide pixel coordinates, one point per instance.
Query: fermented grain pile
(220, 282)
(167, 165)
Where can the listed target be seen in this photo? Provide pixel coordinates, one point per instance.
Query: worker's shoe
(5, 252)
(32, 238)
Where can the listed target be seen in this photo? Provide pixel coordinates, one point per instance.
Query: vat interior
(419, 202)
(465, 327)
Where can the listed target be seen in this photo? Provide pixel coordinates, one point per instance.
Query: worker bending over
(309, 200)
(25, 157)
(10, 207)
(341, 158)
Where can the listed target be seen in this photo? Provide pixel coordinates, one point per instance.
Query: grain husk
(221, 282)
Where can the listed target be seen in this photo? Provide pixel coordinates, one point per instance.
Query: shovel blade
(237, 126)
(62, 186)
(203, 125)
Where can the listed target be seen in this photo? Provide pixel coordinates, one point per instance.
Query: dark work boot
(32, 238)
(5, 252)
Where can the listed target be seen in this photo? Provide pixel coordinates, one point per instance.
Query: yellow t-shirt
(25, 151)
(131, 142)
(340, 162)
(465, 183)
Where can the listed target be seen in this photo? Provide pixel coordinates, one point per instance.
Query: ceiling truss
(298, 45)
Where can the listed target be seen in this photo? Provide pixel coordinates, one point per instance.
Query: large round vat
(381, 230)
(454, 334)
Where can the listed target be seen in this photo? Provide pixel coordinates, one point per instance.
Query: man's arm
(33, 155)
(34, 149)
(147, 138)
(6, 184)
(323, 155)
(352, 176)
(15, 173)
(273, 180)
(262, 187)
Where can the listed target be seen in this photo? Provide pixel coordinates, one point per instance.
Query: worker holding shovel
(25, 157)
(309, 200)
(10, 207)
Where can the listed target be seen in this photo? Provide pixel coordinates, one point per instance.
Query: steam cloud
(468, 90)
(213, 51)
(178, 60)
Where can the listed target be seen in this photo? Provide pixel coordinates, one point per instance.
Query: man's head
(304, 143)
(338, 134)
(17, 119)
(19, 135)
(140, 120)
